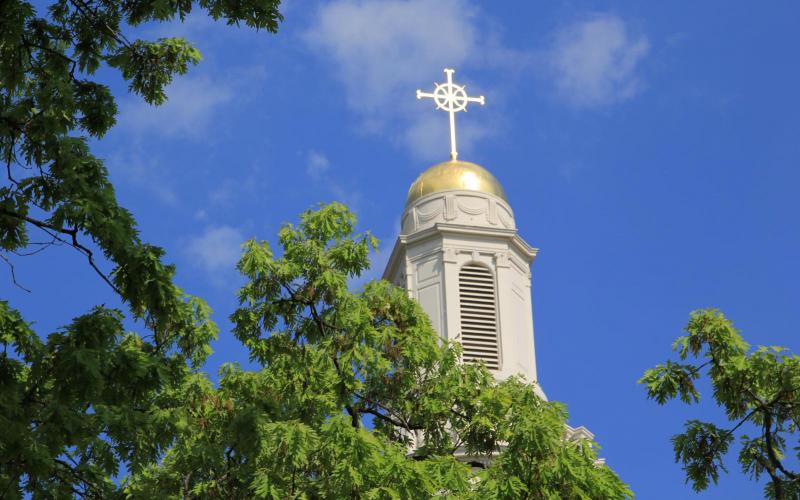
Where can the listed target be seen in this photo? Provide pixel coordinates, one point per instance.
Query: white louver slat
(478, 316)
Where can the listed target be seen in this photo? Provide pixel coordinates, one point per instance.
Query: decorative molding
(424, 216)
(505, 219)
(491, 215)
(450, 211)
(468, 208)
(414, 223)
(449, 255)
(464, 207)
(501, 234)
(501, 259)
(434, 252)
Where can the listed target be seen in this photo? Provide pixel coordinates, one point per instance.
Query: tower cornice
(439, 229)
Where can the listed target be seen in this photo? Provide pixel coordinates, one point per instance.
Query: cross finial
(451, 98)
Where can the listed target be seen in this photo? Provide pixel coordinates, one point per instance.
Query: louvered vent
(476, 292)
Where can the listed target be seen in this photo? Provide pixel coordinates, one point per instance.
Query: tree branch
(73, 63)
(388, 419)
(88, 485)
(394, 420)
(73, 234)
(771, 453)
(13, 274)
(87, 11)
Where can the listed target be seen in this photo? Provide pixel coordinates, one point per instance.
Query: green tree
(349, 381)
(86, 401)
(357, 397)
(759, 391)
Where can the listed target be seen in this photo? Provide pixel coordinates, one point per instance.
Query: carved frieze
(456, 207)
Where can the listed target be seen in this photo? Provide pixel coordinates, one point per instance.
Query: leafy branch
(759, 387)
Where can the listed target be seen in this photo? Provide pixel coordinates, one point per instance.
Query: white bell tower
(459, 255)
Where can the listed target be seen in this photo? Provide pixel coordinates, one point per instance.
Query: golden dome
(454, 174)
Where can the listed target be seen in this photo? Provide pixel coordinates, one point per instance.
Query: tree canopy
(81, 404)
(356, 396)
(759, 390)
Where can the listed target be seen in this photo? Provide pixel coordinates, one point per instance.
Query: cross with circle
(451, 98)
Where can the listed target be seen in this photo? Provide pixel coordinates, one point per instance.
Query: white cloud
(317, 165)
(217, 249)
(143, 171)
(193, 103)
(226, 191)
(199, 99)
(595, 61)
(318, 170)
(382, 51)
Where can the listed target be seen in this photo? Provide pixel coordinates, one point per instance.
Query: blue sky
(649, 149)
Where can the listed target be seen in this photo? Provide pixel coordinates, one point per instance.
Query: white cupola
(459, 255)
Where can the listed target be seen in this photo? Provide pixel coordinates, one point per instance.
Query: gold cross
(451, 98)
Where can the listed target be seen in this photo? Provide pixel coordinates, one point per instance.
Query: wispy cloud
(318, 169)
(200, 107)
(317, 165)
(383, 50)
(596, 61)
(191, 108)
(217, 249)
(143, 171)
